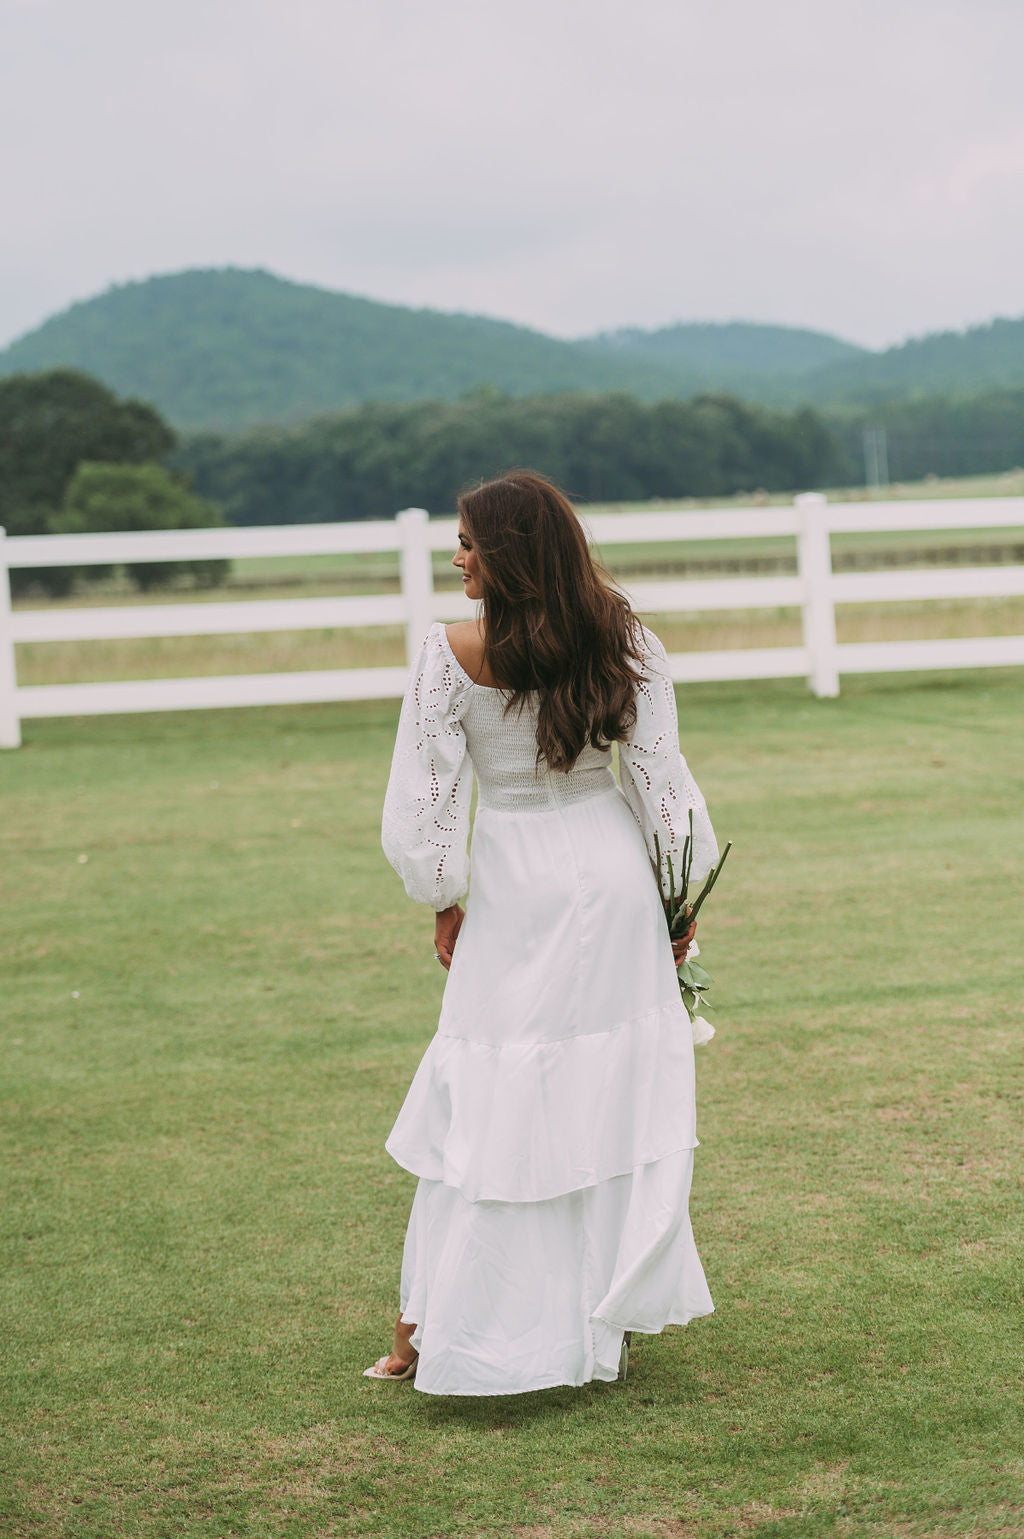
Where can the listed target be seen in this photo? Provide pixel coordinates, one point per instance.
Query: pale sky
(574, 165)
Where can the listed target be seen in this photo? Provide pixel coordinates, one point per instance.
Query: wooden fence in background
(815, 590)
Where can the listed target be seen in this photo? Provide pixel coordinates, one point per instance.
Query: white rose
(703, 1030)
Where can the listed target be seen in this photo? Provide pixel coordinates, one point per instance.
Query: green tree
(49, 424)
(104, 498)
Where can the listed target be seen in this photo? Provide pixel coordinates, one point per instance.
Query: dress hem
(531, 1121)
(560, 1383)
(597, 1179)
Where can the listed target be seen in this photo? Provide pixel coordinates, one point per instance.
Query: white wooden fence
(815, 590)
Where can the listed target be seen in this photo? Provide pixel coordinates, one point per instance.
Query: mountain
(945, 363)
(786, 366)
(227, 349)
(743, 356)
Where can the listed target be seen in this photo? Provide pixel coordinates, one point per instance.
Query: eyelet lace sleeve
(425, 829)
(655, 778)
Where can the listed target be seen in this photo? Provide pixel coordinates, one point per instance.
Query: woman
(551, 1121)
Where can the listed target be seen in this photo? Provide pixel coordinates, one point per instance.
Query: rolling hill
(956, 364)
(227, 349)
(748, 358)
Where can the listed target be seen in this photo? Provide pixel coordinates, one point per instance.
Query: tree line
(375, 459)
(73, 457)
(939, 435)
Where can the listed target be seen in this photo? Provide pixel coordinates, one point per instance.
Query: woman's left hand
(447, 924)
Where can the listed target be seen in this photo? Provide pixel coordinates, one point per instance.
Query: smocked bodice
(503, 747)
(451, 726)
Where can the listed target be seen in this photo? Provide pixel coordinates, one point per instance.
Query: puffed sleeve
(425, 829)
(655, 778)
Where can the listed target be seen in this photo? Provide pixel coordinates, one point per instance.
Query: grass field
(214, 996)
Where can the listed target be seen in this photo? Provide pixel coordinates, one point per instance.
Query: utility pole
(876, 457)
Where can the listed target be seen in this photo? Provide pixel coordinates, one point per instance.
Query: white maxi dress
(552, 1119)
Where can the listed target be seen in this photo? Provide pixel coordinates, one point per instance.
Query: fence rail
(815, 590)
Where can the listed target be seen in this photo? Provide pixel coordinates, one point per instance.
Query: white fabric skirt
(519, 1296)
(552, 1118)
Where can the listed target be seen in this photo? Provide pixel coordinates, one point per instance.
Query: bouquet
(694, 982)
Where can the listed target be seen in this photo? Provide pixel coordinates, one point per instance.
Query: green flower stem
(712, 879)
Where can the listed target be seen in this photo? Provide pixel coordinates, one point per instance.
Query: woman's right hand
(447, 924)
(682, 944)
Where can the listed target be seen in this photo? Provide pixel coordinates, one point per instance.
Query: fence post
(814, 559)
(10, 726)
(417, 575)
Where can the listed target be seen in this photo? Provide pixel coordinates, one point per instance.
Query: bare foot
(402, 1353)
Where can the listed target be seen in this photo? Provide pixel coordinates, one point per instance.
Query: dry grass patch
(65, 662)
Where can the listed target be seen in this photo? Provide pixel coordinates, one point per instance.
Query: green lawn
(214, 995)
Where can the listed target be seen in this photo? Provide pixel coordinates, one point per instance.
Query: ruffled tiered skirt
(551, 1121)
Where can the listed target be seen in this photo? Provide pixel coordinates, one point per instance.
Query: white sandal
(380, 1371)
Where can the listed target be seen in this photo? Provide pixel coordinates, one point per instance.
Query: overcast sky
(574, 165)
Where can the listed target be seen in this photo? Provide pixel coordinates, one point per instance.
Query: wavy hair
(553, 624)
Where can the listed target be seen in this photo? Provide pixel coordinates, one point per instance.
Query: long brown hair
(552, 622)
